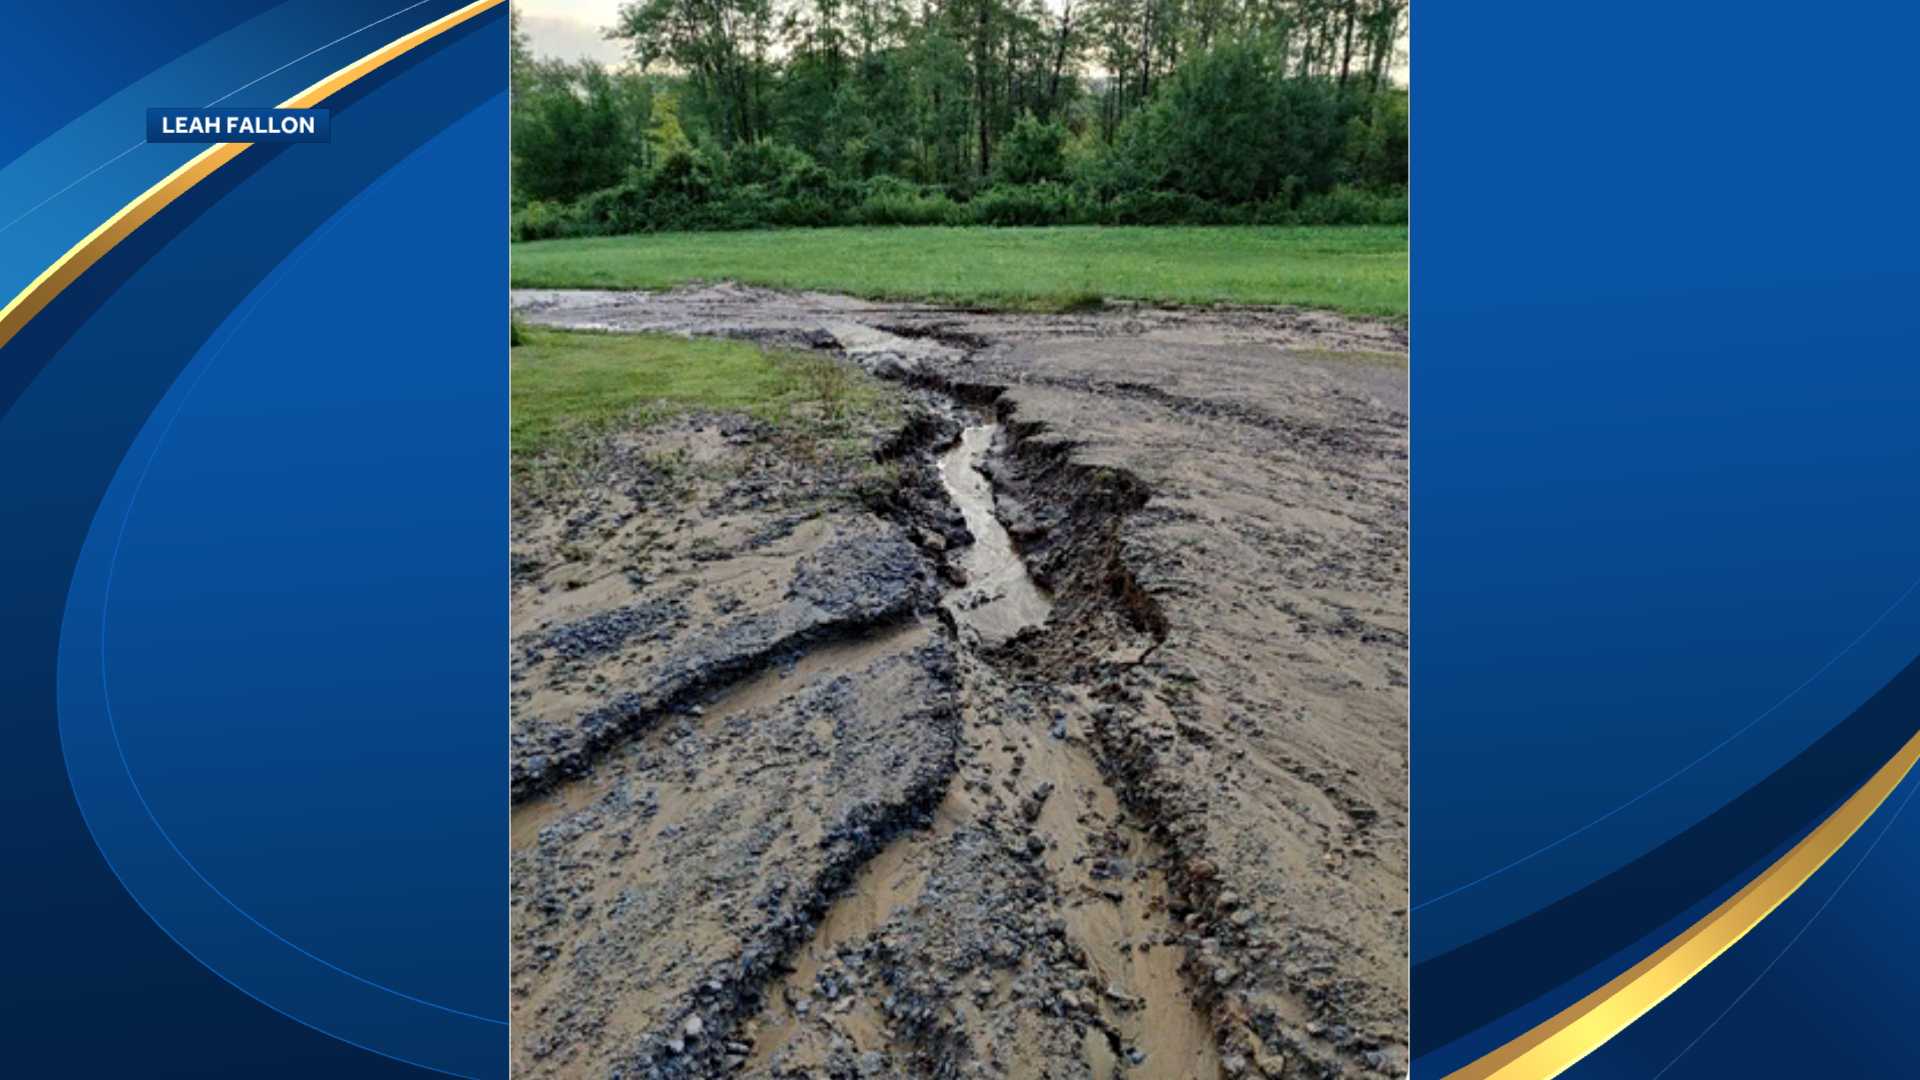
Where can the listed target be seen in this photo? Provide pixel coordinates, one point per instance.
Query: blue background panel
(1664, 566)
(256, 463)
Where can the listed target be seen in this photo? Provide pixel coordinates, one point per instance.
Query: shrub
(1032, 152)
(1351, 206)
(779, 168)
(1377, 143)
(689, 174)
(1228, 128)
(571, 128)
(543, 221)
(1160, 208)
(1026, 204)
(796, 211)
(892, 201)
(619, 209)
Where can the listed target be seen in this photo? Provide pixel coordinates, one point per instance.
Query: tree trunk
(1059, 59)
(1146, 50)
(1346, 50)
(980, 87)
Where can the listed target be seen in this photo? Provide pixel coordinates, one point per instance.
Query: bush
(892, 201)
(1228, 128)
(572, 128)
(1377, 143)
(1160, 208)
(1027, 204)
(689, 174)
(620, 209)
(1032, 152)
(779, 168)
(543, 221)
(679, 197)
(802, 211)
(1351, 206)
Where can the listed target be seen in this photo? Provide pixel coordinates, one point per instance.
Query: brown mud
(1073, 746)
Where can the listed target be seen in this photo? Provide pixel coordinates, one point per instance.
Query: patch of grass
(1083, 301)
(571, 387)
(1360, 270)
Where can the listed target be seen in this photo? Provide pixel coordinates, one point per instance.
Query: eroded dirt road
(1067, 741)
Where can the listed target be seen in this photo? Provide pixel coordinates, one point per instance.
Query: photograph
(959, 552)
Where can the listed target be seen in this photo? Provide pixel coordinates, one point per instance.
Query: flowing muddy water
(999, 599)
(1035, 783)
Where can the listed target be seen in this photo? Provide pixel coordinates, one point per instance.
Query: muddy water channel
(1024, 931)
(999, 599)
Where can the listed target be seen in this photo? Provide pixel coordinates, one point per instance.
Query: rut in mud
(1076, 750)
(998, 600)
(1029, 822)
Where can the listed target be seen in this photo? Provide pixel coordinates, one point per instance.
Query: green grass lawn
(570, 386)
(1359, 270)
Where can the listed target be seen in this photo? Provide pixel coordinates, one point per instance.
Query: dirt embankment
(1094, 770)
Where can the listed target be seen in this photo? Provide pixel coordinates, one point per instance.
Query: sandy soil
(1076, 749)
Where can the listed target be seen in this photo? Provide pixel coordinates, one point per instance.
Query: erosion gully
(810, 786)
(1023, 801)
(1107, 870)
(1120, 911)
(1017, 777)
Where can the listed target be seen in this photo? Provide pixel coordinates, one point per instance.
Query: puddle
(999, 599)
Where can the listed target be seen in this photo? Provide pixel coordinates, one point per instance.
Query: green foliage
(1228, 129)
(1031, 204)
(892, 201)
(637, 207)
(576, 129)
(753, 114)
(1377, 143)
(664, 133)
(1353, 206)
(1032, 152)
(687, 174)
(1160, 208)
(769, 163)
(543, 221)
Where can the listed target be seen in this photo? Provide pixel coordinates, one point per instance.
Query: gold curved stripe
(64, 270)
(1557, 1043)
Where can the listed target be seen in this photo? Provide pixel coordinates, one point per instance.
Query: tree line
(743, 113)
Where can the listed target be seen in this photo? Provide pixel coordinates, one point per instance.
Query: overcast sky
(571, 29)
